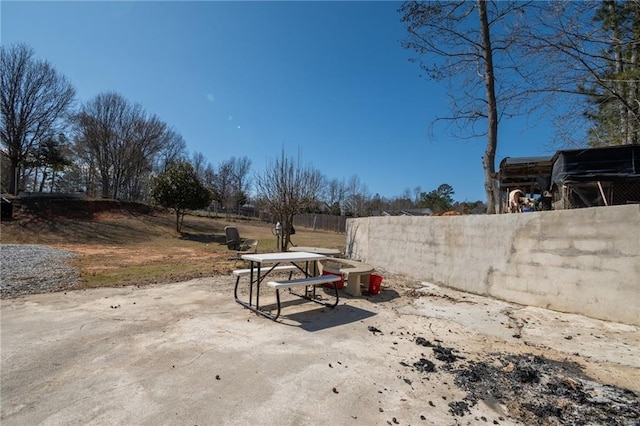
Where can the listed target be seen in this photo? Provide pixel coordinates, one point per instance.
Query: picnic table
(318, 250)
(262, 264)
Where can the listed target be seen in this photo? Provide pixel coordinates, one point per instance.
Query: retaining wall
(583, 261)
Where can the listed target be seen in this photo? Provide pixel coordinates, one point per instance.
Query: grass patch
(120, 247)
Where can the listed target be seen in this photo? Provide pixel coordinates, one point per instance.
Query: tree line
(110, 147)
(577, 61)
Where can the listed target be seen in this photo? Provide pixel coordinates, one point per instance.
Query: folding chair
(237, 244)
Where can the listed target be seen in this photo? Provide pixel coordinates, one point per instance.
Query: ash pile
(530, 388)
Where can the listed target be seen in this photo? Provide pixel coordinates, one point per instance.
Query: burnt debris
(533, 389)
(539, 390)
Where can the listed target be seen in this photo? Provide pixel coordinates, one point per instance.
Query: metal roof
(507, 161)
(526, 173)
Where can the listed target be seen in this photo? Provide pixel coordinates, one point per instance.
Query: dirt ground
(416, 353)
(130, 244)
(163, 342)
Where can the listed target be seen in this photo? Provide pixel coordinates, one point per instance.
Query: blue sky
(329, 80)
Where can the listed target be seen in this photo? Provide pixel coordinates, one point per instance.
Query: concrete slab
(186, 353)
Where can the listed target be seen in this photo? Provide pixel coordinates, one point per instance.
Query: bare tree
(121, 141)
(174, 150)
(402, 202)
(356, 197)
(318, 183)
(240, 168)
(335, 195)
(469, 44)
(210, 182)
(34, 100)
(146, 141)
(223, 184)
(416, 194)
(231, 183)
(287, 188)
(589, 49)
(199, 163)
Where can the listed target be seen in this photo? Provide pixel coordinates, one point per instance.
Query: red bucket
(339, 283)
(375, 281)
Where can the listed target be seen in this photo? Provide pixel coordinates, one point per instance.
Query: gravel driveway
(30, 268)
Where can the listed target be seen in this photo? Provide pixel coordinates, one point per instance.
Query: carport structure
(596, 177)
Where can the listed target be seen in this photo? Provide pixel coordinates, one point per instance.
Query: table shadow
(385, 295)
(322, 318)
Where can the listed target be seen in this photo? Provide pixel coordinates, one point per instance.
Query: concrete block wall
(583, 261)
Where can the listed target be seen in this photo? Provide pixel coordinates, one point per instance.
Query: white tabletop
(290, 256)
(319, 250)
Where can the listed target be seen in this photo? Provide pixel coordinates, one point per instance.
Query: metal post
(278, 234)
